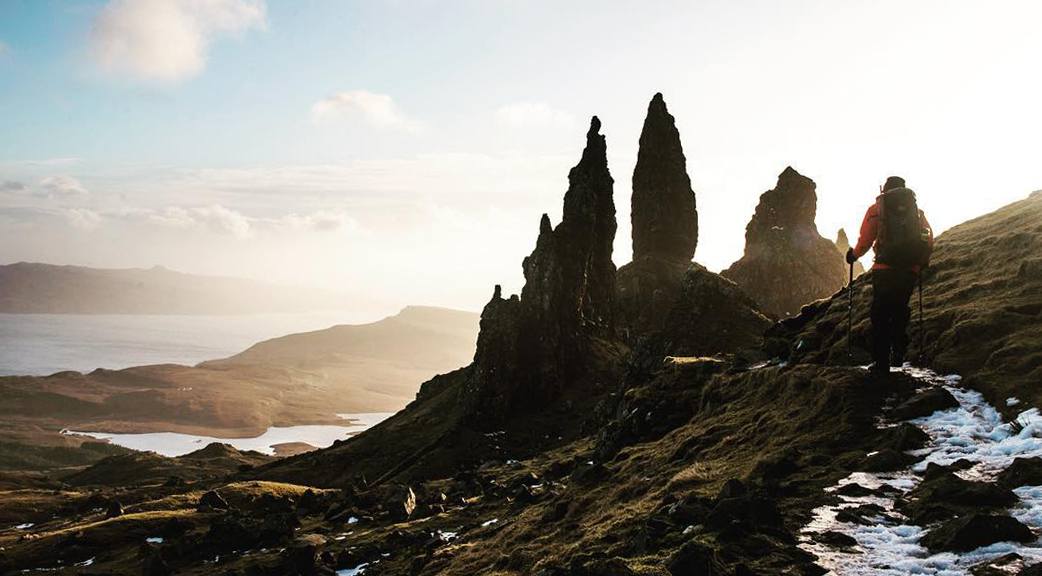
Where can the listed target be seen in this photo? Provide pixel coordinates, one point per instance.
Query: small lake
(175, 444)
(42, 344)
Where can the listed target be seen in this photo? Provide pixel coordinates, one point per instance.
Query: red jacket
(870, 237)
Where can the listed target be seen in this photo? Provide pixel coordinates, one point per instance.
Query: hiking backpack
(902, 242)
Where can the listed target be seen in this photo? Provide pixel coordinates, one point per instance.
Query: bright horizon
(404, 150)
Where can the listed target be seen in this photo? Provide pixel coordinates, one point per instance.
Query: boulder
(975, 530)
(749, 511)
(694, 558)
(212, 501)
(1033, 570)
(400, 503)
(945, 495)
(1022, 472)
(834, 539)
(1004, 565)
(925, 403)
(114, 509)
(854, 490)
(787, 264)
(302, 554)
(904, 437)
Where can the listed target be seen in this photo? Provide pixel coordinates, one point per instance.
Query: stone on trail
(925, 403)
(834, 539)
(1022, 472)
(944, 495)
(976, 530)
(1004, 565)
(904, 437)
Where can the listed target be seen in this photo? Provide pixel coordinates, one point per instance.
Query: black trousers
(891, 290)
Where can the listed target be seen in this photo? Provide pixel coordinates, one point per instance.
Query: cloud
(4, 48)
(62, 187)
(376, 109)
(225, 221)
(533, 115)
(166, 40)
(214, 218)
(83, 219)
(11, 186)
(321, 221)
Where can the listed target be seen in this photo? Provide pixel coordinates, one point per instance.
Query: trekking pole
(850, 310)
(921, 337)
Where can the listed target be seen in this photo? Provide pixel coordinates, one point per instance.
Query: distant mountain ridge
(35, 288)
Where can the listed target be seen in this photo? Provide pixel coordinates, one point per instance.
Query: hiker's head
(893, 183)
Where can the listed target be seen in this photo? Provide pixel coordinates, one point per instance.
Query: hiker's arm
(929, 238)
(868, 233)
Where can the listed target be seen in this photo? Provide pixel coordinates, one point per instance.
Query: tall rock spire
(843, 244)
(665, 226)
(787, 264)
(663, 213)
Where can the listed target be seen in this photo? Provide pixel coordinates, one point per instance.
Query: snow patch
(890, 546)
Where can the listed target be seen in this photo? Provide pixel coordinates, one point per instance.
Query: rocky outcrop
(665, 226)
(530, 347)
(787, 263)
(711, 316)
(843, 244)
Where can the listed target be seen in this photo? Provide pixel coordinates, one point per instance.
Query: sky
(402, 151)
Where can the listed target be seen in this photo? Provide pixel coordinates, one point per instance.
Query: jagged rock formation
(665, 226)
(843, 244)
(787, 264)
(530, 347)
(712, 315)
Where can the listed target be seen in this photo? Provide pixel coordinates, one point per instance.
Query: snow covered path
(974, 432)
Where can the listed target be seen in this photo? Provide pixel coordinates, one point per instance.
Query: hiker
(902, 239)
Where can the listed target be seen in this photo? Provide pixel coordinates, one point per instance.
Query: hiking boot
(879, 368)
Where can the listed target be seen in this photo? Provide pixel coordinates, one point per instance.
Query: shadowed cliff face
(665, 226)
(530, 347)
(787, 264)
